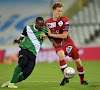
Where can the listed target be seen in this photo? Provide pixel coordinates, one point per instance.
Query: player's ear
(53, 10)
(36, 24)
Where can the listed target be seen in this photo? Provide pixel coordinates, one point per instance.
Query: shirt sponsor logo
(51, 25)
(48, 25)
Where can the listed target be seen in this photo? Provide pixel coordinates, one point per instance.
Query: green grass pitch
(47, 76)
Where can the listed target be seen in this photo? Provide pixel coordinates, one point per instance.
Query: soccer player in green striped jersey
(34, 35)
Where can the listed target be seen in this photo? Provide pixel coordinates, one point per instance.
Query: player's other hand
(16, 41)
(48, 31)
(42, 36)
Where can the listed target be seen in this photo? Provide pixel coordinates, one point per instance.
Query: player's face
(57, 12)
(39, 25)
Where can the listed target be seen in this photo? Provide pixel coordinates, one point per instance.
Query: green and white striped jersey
(32, 40)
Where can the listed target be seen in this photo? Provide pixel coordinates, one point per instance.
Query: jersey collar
(35, 28)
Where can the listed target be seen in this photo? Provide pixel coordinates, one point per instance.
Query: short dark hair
(57, 4)
(39, 19)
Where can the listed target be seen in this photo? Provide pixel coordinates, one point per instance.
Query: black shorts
(26, 60)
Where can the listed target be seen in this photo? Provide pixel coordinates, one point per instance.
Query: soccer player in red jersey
(57, 30)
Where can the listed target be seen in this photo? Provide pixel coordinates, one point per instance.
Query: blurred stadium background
(84, 18)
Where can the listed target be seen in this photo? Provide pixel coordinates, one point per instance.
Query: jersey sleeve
(66, 24)
(24, 33)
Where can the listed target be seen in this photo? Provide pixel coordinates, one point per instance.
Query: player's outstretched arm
(18, 40)
(62, 36)
(23, 34)
(53, 41)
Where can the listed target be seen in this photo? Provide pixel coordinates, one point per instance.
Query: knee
(61, 57)
(61, 54)
(78, 62)
(22, 63)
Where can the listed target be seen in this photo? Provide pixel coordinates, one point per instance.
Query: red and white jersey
(57, 27)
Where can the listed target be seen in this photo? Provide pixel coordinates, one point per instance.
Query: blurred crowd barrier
(49, 55)
(84, 27)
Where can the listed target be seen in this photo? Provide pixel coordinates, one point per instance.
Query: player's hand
(16, 41)
(42, 36)
(48, 31)
(59, 45)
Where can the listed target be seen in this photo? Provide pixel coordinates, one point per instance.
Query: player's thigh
(22, 58)
(30, 65)
(69, 48)
(75, 55)
(61, 54)
(28, 68)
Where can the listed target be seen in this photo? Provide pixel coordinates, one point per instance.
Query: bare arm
(18, 40)
(62, 36)
(53, 41)
(23, 34)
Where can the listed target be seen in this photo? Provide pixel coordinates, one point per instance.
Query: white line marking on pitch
(47, 81)
(58, 81)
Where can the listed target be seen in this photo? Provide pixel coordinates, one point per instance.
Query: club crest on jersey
(68, 49)
(60, 23)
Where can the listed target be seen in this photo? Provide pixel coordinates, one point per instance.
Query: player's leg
(63, 65)
(14, 78)
(79, 66)
(21, 64)
(28, 68)
(62, 61)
